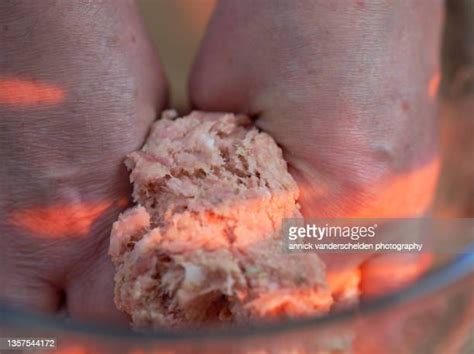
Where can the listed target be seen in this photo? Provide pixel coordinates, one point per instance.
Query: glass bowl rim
(434, 280)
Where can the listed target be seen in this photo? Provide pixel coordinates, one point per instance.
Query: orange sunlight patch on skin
(20, 92)
(343, 280)
(404, 195)
(59, 221)
(433, 85)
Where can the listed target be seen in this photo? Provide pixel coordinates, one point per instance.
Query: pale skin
(342, 86)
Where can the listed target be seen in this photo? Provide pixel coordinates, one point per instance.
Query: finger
(30, 292)
(89, 279)
(90, 294)
(26, 273)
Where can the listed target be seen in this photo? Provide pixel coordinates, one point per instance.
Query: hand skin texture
(63, 160)
(346, 89)
(342, 86)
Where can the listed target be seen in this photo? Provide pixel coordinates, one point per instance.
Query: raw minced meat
(203, 244)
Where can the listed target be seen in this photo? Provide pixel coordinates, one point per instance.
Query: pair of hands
(345, 88)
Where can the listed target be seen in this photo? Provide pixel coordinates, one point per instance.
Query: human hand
(347, 90)
(79, 88)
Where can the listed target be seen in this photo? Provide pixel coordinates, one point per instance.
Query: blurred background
(176, 28)
(456, 189)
